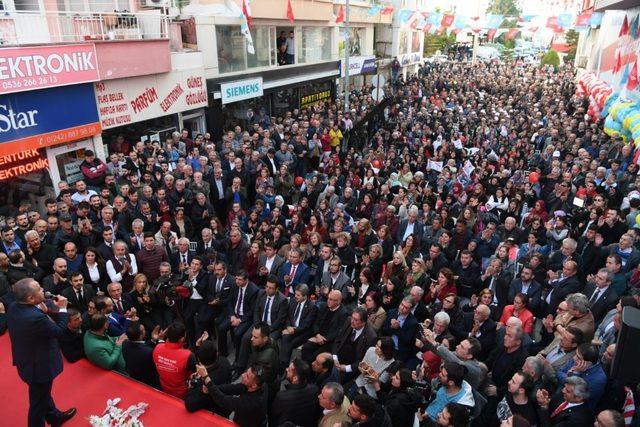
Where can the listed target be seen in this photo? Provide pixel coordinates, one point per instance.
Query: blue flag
(374, 9)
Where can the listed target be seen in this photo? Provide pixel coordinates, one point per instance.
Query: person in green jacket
(100, 348)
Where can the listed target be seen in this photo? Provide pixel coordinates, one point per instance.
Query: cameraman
(164, 288)
(218, 369)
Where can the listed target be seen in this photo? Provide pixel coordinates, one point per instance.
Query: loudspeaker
(627, 349)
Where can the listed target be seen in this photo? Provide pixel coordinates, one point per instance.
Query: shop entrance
(194, 122)
(68, 158)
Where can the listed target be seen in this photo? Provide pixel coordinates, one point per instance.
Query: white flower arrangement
(116, 417)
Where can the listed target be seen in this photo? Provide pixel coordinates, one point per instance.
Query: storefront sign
(124, 101)
(22, 163)
(359, 65)
(241, 89)
(42, 118)
(314, 98)
(72, 171)
(29, 68)
(410, 58)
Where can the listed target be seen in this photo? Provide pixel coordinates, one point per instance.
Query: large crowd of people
(463, 259)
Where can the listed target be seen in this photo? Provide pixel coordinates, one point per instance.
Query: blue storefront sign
(41, 118)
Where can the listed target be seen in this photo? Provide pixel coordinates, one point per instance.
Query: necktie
(595, 296)
(239, 302)
(296, 315)
(353, 335)
(119, 305)
(560, 408)
(218, 285)
(293, 272)
(184, 258)
(265, 316)
(79, 291)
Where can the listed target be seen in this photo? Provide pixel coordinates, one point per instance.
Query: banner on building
(29, 68)
(131, 100)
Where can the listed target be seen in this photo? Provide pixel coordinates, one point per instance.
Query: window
(314, 44)
(231, 49)
(403, 43)
(261, 43)
(26, 5)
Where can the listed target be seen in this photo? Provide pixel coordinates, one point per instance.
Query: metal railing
(20, 28)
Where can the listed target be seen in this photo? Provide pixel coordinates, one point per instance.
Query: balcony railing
(20, 28)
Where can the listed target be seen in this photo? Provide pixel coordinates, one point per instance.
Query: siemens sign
(241, 89)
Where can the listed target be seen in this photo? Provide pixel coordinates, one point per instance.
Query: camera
(195, 382)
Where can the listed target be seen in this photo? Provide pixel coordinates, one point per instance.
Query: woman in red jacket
(446, 284)
(518, 309)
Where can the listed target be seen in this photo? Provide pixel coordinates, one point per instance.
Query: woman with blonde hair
(144, 302)
(396, 268)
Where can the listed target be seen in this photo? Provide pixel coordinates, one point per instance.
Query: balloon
(534, 177)
(376, 164)
(298, 181)
(638, 219)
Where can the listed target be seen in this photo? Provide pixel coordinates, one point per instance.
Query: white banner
(135, 99)
(358, 65)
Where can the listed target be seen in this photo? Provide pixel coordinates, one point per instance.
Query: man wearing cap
(93, 169)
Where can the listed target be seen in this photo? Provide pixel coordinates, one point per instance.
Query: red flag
(447, 20)
(340, 17)
(387, 10)
(533, 29)
(511, 34)
(246, 11)
(624, 30)
(583, 19)
(618, 64)
(290, 11)
(632, 83)
(491, 33)
(426, 28)
(552, 22)
(456, 31)
(476, 30)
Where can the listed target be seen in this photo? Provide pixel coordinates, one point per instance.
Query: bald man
(332, 317)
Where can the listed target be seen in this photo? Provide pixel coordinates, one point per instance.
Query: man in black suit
(220, 284)
(479, 325)
(602, 297)
(78, 293)
(467, 272)
(105, 248)
(58, 280)
(272, 308)
(527, 285)
(269, 263)
(411, 225)
(36, 353)
(238, 317)
(38, 253)
(138, 354)
(568, 411)
(497, 280)
(402, 327)
(352, 342)
(566, 252)
(561, 285)
(331, 318)
(122, 303)
(71, 342)
(299, 326)
(181, 259)
(419, 310)
(217, 187)
(198, 313)
(206, 243)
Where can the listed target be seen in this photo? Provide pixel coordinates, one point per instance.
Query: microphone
(50, 296)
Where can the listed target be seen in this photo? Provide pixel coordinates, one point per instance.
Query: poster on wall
(124, 101)
(355, 41)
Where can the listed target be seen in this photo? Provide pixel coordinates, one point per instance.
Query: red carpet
(87, 388)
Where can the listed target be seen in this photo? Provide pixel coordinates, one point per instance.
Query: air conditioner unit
(155, 3)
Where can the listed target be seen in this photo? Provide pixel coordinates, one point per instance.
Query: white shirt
(94, 273)
(195, 294)
(269, 263)
(408, 231)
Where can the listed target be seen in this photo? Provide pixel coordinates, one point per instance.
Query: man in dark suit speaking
(36, 354)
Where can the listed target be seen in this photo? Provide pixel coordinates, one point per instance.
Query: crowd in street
(463, 259)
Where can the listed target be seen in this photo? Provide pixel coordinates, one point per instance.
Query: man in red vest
(174, 363)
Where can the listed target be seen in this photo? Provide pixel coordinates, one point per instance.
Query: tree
(504, 7)
(551, 58)
(571, 39)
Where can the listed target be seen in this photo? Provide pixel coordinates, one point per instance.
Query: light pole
(346, 56)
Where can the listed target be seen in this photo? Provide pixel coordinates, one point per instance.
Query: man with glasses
(331, 317)
(336, 279)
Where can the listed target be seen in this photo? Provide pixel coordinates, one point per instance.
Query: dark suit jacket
(127, 303)
(45, 257)
(139, 359)
(561, 289)
(275, 267)
(418, 230)
(302, 275)
(367, 338)
(279, 310)
(406, 334)
(34, 342)
(576, 416)
(557, 259)
(307, 318)
(248, 302)
(104, 277)
(200, 250)
(487, 335)
(534, 293)
(228, 283)
(421, 312)
(500, 287)
(105, 251)
(176, 258)
(338, 319)
(606, 301)
(72, 296)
